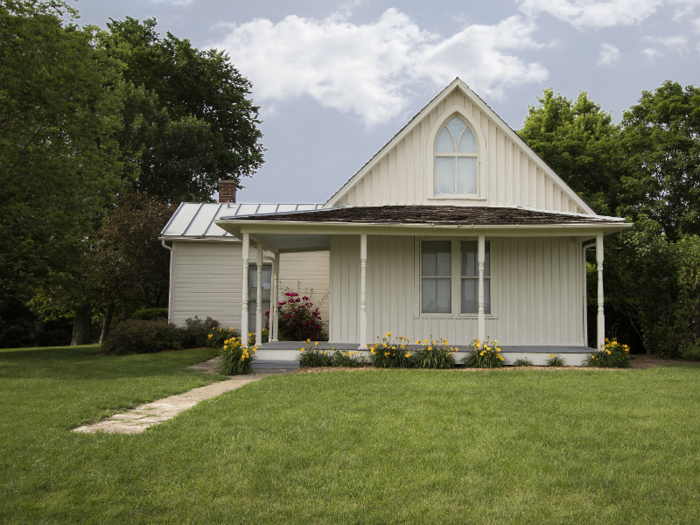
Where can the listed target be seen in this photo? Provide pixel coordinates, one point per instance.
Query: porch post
(363, 290)
(482, 315)
(258, 296)
(601, 296)
(274, 298)
(244, 298)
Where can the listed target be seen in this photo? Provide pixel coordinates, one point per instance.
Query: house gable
(509, 173)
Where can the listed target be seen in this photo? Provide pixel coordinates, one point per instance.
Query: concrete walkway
(140, 418)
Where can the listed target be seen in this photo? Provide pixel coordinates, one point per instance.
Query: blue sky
(336, 79)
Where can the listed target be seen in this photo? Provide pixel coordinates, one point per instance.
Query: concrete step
(270, 364)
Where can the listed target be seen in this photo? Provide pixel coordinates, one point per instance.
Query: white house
(454, 228)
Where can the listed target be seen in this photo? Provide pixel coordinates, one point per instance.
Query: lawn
(398, 446)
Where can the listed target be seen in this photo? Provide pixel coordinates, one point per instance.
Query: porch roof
(311, 230)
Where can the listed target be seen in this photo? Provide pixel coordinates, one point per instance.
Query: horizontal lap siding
(309, 274)
(512, 179)
(207, 282)
(536, 292)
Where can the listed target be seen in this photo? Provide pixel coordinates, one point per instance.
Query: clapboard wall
(207, 280)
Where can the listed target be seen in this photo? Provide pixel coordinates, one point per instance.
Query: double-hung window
(451, 269)
(253, 292)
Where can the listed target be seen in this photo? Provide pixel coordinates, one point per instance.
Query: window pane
(467, 143)
(445, 142)
(436, 258)
(253, 281)
(456, 126)
(466, 175)
(469, 253)
(470, 297)
(444, 175)
(252, 314)
(436, 295)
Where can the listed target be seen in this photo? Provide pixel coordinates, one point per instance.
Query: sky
(336, 79)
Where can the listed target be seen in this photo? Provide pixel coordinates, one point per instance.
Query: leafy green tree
(188, 121)
(661, 137)
(579, 141)
(59, 164)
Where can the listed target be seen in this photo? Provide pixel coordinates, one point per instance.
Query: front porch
(282, 354)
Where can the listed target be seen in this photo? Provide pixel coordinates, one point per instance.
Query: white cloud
(370, 69)
(608, 54)
(651, 53)
(678, 43)
(602, 13)
(173, 2)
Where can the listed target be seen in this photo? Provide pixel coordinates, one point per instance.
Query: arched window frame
(481, 158)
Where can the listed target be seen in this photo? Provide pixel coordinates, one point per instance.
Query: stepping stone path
(140, 418)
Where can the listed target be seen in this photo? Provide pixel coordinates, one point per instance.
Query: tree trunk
(108, 320)
(82, 323)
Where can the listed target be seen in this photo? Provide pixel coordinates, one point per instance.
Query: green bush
(484, 355)
(235, 358)
(150, 314)
(142, 337)
(347, 358)
(313, 356)
(195, 333)
(555, 360)
(390, 353)
(298, 319)
(218, 336)
(612, 355)
(434, 354)
(523, 362)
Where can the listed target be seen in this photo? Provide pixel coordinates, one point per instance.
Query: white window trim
(481, 156)
(456, 280)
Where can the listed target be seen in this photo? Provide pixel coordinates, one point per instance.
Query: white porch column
(244, 298)
(363, 290)
(481, 258)
(601, 296)
(274, 298)
(258, 296)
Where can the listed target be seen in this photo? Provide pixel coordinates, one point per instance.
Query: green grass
(390, 446)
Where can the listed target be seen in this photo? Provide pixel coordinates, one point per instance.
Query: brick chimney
(227, 191)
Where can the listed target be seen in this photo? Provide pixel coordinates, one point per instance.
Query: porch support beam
(244, 295)
(481, 258)
(274, 319)
(258, 295)
(363, 290)
(601, 296)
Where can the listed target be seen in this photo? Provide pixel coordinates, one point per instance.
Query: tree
(580, 143)
(188, 121)
(59, 165)
(661, 135)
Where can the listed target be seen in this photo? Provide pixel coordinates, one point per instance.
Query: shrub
(195, 333)
(434, 354)
(299, 319)
(523, 362)
(142, 337)
(150, 314)
(555, 360)
(311, 355)
(235, 358)
(218, 336)
(484, 355)
(347, 358)
(611, 355)
(390, 353)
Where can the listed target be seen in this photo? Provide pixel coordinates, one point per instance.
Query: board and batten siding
(207, 280)
(536, 287)
(511, 178)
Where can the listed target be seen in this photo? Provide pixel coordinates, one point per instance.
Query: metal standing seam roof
(196, 219)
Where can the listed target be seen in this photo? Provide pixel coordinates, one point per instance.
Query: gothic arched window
(456, 160)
